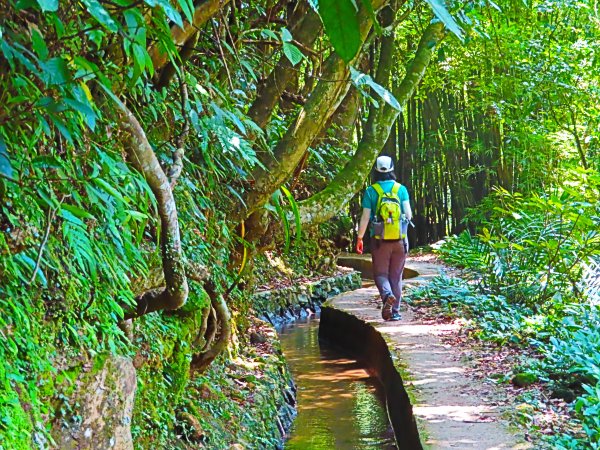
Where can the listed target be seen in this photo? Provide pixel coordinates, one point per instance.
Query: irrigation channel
(340, 406)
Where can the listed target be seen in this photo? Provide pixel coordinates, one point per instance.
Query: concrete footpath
(453, 410)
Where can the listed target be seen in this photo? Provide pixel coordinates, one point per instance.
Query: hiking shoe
(395, 317)
(386, 311)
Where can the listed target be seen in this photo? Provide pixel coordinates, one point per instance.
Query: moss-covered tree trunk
(204, 11)
(142, 157)
(311, 119)
(323, 205)
(270, 91)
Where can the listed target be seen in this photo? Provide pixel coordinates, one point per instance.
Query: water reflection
(339, 405)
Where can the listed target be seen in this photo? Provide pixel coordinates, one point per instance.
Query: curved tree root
(201, 361)
(212, 326)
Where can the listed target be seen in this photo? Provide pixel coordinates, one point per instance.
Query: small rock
(568, 395)
(524, 379)
(257, 338)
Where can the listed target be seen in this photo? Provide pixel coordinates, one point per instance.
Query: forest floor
(448, 375)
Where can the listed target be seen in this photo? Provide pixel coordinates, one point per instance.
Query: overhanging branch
(321, 104)
(205, 11)
(325, 204)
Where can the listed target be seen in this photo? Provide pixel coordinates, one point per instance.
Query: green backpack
(388, 215)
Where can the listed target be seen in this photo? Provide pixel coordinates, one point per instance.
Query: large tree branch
(319, 107)
(325, 204)
(205, 11)
(143, 158)
(279, 79)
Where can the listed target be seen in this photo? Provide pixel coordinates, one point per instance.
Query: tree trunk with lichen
(270, 91)
(204, 11)
(142, 157)
(320, 106)
(325, 204)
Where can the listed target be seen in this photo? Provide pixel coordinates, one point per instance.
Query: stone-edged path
(453, 411)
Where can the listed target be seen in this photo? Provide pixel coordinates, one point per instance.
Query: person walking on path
(388, 255)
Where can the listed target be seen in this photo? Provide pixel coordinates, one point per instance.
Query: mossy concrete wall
(278, 306)
(103, 401)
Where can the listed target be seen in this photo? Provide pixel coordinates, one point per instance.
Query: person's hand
(359, 246)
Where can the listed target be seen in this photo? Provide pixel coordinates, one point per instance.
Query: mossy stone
(524, 379)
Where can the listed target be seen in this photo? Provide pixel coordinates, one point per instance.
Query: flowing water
(339, 405)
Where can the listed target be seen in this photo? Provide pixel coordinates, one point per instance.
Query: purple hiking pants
(388, 264)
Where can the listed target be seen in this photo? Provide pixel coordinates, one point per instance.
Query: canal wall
(284, 305)
(451, 407)
(366, 344)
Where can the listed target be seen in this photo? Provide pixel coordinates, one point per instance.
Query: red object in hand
(359, 246)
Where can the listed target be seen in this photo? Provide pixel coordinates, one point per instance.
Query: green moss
(524, 379)
(177, 371)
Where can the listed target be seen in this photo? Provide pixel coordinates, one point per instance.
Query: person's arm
(364, 222)
(362, 228)
(406, 209)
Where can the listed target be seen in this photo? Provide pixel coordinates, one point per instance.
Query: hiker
(386, 205)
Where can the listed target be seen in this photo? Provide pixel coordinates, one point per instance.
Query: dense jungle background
(162, 159)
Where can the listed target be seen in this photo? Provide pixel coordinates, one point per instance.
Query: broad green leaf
(249, 69)
(360, 80)
(442, 13)
(48, 5)
(96, 36)
(341, 24)
(292, 53)
(171, 12)
(187, 6)
(5, 165)
(106, 187)
(38, 43)
(139, 58)
(29, 262)
(236, 193)
(295, 211)
(268, 34)
(62, 128)
(55, 71)
(286, 36)
(276, 198)
(86, 111)
(77, 211)
(101, 15)
(46, 162)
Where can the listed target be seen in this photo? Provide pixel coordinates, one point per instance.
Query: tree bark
(322, 103)
(323, 205)
(270, 91)
(143, 158)
(205, 11)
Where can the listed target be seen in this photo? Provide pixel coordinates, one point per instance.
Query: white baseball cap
(384, 164)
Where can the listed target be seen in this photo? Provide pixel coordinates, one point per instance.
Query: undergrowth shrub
(531, 282)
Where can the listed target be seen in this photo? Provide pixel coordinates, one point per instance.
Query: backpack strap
(379, 191)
